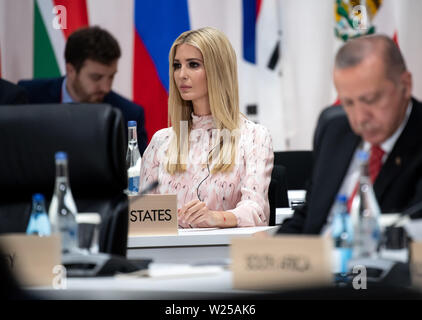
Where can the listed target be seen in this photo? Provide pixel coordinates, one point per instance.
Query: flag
(145, 30)
(250, 10)
(260, 69)
(305, 53)
(157, 24)
(16, 39)
(268, 80)
(49, 38)
(34, 45)
(252, 27)
(399, 20)
(360, 18)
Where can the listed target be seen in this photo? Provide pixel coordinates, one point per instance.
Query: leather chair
(298, 166)
(277, 192)
(94, 139)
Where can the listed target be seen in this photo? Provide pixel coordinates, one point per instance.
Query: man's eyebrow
(369, 95)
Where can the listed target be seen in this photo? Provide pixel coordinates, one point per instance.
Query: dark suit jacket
(398, 185)
(10, 93)
(50, 90)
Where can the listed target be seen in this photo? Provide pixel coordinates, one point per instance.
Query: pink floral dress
(242, 191)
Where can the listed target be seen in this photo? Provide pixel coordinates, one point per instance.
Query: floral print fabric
(242, 191)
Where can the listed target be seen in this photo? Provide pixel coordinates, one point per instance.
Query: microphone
(395, 236)
(209, 173)
(149, 187)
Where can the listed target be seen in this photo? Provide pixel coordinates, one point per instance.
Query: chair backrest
(277, 192)
(298, 167)
(93, 137)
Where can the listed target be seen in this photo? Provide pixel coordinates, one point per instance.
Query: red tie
(375, 164)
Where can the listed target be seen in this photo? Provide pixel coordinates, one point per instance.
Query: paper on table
(196, 229)
(282, 213)
(161, 270)
(172, 270)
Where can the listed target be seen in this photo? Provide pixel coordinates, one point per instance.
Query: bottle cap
(131, 124)
(342, 198)
(61, 155)
(38, 197)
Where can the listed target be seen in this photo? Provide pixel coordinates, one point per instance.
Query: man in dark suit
(378, 115)
(10, 93)
(91, 56)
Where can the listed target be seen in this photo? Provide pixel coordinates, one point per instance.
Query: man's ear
(406, 80)
(70, 71)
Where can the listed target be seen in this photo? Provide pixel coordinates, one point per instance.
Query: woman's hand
(195, 214)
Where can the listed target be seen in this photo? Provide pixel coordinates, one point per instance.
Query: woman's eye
(193, 64)
(176, 65)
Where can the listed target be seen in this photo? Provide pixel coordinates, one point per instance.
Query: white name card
(416, 264)
(32, 259)
(281, 262)
(153, 214)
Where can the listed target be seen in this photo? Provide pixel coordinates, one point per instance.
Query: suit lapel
(55, 90)
(400, 156)
(333, 168)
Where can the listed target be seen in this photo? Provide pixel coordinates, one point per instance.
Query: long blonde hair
(221, 71)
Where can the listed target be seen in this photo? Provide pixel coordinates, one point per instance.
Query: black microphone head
(395, 238)
(150, 187)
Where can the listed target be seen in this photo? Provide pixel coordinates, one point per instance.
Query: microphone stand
(408, 213)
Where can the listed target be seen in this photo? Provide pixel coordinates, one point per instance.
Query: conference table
(215, 284)
(195, 264)
(190, 246)
(200, 245)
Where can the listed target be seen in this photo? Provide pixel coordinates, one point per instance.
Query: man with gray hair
(377, 114)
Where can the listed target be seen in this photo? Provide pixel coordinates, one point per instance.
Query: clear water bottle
(342, 235)
(38, 221)
(365, 214)
(63, 209)
(133, 160)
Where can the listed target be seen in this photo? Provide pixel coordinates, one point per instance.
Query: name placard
(281, 262)
(416, 264)
(153, 214)
(32, 259)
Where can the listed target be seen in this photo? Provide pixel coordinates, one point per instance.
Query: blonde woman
(217, 162)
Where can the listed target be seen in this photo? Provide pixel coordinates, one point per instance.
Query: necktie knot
(375, 161)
